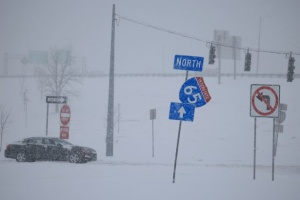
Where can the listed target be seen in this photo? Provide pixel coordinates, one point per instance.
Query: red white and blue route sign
(264, 101)
(194, 91)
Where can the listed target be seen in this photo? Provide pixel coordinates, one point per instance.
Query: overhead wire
(204, 40)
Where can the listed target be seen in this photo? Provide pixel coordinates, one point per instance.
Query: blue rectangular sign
(182, 111)
(190, 63)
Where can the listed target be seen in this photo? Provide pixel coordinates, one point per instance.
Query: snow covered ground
(215, 153)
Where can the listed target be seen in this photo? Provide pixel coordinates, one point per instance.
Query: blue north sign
(190, 63)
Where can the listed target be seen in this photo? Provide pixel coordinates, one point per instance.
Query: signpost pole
(178, 138)
(176, 154)
(47, 119)
(254, 157)
(152, 117)
(273, 151)
(152, 138)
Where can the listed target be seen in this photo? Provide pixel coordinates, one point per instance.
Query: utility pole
(234, 57)
(110, 111)
(219, 60)
(259, 30)
(5, 70)
(258, 48)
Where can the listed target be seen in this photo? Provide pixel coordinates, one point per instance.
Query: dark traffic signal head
(291, 67)
(212, 54)
(247, 61)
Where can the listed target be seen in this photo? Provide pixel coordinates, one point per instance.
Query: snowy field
(215, 158)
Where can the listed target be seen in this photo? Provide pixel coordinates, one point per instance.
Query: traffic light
(291, 67)
(247, 61)
(212, 54)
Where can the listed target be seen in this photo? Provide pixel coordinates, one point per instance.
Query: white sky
(86, 26)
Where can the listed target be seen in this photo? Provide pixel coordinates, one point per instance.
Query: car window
(48, 141)
(39, 141)
(24, 141)
(31, 141)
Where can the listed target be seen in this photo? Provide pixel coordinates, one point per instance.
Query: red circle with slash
(272, 108)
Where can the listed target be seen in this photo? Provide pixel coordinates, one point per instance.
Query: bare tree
(4, 121)
(59, 74)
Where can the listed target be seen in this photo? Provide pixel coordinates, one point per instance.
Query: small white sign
(153, 114)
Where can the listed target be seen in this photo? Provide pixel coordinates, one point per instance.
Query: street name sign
(56, 99)
(264, 101)
(194, 91)
(189, 63)
(182, 111)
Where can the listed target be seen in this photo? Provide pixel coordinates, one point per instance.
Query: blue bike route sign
(190, 63)
(182, 111)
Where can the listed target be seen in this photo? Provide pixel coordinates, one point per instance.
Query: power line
(202, 40)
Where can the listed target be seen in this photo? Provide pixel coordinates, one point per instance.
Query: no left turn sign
(264, 101)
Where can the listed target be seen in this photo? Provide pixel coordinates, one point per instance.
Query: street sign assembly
(189, 63)
(182, 111)
(193, 94)
(65, 115)
(265, 101)
(194, 91)
(152, 114)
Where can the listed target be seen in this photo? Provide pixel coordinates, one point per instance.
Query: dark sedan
(50, 149)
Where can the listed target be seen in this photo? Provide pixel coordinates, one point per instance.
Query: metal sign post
(152, 117)
(178, 139)
(254, 157)
(47, 119)
(264, 102)
(273, 151)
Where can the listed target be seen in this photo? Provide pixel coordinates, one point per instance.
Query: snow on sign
(190, 63)
(194, 91)
(64, 132)
(65, 115)
(265, 101)
(56, 99)
(182, 111)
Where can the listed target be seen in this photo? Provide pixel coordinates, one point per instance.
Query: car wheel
(21, 157)
(74, 158)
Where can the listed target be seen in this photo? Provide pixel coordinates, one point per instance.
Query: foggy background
(85, 26)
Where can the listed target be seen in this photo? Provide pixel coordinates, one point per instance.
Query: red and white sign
(64, 132)
(65, 115)
(265, 101)
(203, 89)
